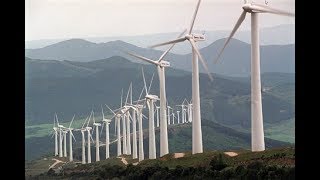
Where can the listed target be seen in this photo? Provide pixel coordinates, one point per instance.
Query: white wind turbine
(189, 112)
(139, 108)
(89, 137)
(173, 117)
(127, 116)
(169, 114)
(60, 137)
(83, 130)
(161, 65)
(97, 137)
(118, 113)
(134, 123)
(55, 131)
(196, 123)
(64, 142)
(107, 123)
(70, 140)
(150, 99)
(178, 114)
(257, 132)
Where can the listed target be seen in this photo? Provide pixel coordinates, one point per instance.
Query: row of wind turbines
(123, 116)
(257, 132)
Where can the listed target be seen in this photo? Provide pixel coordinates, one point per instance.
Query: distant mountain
(234, 62)
(277, 35)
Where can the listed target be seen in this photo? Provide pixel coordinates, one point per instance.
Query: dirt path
(178, 155)
(54, 164)
(231, 154)
(123, 160)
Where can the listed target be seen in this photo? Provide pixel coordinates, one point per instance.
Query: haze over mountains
(277, 35)
(234, 62)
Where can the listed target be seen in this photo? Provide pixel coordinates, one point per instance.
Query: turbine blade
(73, 136)
(127, 96)
(121, 97)
(54, 121)
(268, 9)
(167, 51)
(57, 118)
(102, 113)
(84, 122)
(110, 109)
(150, 83)
(240, 20)
(89, 119)
(144, 116)
(72, 120)
(140, 95)
(194, 16)
(203, 62)
(169, 42)
(142, 58)
(101, 128)
(131, 93)
(144, 81)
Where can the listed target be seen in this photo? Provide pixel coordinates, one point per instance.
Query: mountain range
(276, 35)
(234, 62)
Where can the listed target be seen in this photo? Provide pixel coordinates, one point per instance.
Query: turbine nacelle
(153, 97)
(88, 128)
(61, 126)
(164, 63)
(107, 120)
(96, 124)
(196, 37)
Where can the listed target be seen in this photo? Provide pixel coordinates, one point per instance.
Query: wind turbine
(118, 113)
(150, 99)
(257, 132)
(127, 116)
(168, 108)
(89, 137)
(106, 122)
(70, 140)
(64, 142)
(55, 129)
(178, 112)
(161, 65)
(134, 123)
(83, 130)
(139, 108)
(60, 137)
(189, 112)
(196, 123)
(173, 116)
(97, 137)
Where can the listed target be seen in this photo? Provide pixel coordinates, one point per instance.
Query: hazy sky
(46, 19)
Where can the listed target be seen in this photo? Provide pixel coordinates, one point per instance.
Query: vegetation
(270, 164)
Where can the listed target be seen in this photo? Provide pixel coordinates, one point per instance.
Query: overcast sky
(48, 19)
